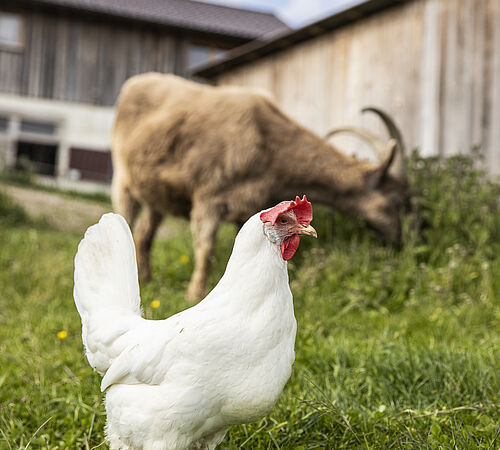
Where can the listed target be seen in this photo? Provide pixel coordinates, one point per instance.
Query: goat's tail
(106, 270)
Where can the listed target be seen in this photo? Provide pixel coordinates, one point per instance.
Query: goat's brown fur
(224, 153)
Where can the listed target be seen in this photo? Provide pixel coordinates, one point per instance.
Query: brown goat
(224, 153)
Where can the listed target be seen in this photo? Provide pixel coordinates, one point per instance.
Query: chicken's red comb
(301, 207)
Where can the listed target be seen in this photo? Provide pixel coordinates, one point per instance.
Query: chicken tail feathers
(106, 270)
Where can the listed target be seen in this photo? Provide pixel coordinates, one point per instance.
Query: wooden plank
(470, 10)
(487, 75)
(449, 99)
(180, 56)
(149, 52)
(4, 71)
(337, 55)
(49, 51)
(35, 76)
(26, 58)
(133, 53)
(106, 67)
(61, 58)
(493, 153)
(10, 65)
(88, 89)
(477, 65)
(73, 72)
(164, 54)
(118, 60)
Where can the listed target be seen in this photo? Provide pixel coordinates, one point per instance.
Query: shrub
(455, 203)
(10, 212)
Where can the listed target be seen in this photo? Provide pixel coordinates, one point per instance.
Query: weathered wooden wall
(433, 64)
(73, 59)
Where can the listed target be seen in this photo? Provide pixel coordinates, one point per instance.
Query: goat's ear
(376, 177)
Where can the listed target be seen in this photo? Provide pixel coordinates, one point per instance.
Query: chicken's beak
(308, 231)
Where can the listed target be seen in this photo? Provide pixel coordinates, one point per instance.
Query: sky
(295, 13)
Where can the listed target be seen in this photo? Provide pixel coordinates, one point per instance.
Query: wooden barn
(434, 65)
(62, 63)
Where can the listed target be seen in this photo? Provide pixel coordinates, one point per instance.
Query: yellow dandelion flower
(62, 334)
(436, 314)
(155, 304)
(184, 259)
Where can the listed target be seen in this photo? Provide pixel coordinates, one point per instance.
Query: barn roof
(350, 12)
(182, 14)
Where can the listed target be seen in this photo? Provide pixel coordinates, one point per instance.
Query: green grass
(394, 349)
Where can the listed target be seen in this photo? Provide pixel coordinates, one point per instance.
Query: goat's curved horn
(381, 149)
(399, 166)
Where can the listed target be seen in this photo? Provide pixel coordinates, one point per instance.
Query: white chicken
(182, 382)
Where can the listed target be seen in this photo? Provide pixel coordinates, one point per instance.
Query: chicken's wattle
(289, 247)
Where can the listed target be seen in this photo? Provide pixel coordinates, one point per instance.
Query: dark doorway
(36, 158)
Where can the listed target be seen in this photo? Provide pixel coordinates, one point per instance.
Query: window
(200, 54)
(4, 124)
(30, 126)
(11, 29)
(197, 55)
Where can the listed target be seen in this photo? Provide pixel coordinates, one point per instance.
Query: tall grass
(394, 349)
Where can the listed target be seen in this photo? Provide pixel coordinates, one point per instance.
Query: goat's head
(383, 196)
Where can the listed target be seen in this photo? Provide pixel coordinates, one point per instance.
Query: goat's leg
(124, 203)
(144, 233)
(204, 225)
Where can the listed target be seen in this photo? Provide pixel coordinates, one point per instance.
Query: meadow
(395, 349)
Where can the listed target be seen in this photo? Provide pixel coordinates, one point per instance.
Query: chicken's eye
(283, 220)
